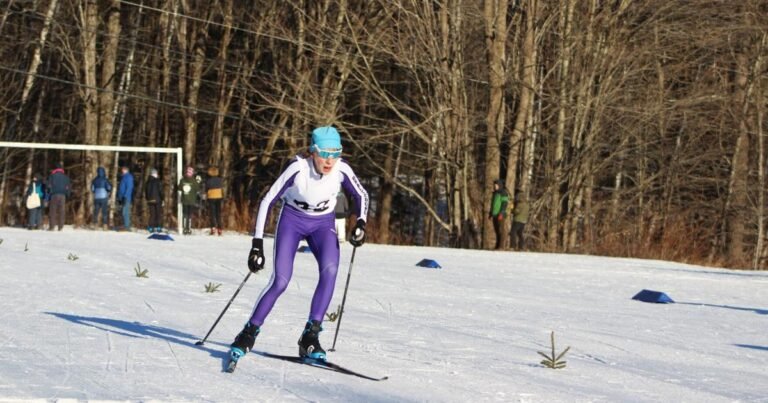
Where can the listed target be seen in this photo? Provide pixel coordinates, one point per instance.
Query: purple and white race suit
(309, 198)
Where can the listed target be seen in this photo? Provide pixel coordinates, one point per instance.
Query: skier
(190, 191)
(308, 187)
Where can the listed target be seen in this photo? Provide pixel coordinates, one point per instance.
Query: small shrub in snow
(334, 315)
(140, 272)
(72, 257)
(210, 287)
(553, 361)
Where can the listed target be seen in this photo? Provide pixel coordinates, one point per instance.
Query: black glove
(358, 234)
(256, 257)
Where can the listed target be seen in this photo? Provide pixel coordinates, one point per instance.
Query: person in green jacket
(190, 194)
(519, 219)
(498, 213)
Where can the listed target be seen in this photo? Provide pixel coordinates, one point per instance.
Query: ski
(319, 364)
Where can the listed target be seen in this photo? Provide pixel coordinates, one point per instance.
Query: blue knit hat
(326, 138)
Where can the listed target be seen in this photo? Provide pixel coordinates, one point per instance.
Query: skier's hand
(256, 256)
(358, 234)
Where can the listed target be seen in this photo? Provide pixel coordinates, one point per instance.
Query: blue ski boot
(244, 341)
(309, 342)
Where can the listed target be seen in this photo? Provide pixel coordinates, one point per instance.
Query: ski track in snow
(467, 332)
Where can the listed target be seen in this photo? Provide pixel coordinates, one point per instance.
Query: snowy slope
(89, 329)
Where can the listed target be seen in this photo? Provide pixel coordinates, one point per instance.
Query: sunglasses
(325, 154)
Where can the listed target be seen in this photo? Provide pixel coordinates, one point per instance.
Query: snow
(79, 325)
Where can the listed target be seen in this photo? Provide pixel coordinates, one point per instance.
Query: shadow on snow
(139, 330)
(752, 347)
(738, 308)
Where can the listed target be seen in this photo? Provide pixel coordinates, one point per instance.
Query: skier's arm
(283, 182)
(355, 190)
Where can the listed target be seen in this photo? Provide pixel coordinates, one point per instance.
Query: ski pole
(201, 342)
(344, 299)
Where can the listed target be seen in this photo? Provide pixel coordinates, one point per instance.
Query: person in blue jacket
(101, 188)
(125, 196)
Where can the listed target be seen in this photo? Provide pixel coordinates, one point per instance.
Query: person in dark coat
(154, 195)
(125, 196)
(35, 196)
(214, 186)
(58, 190)
(190, 192)
(498, 212)
(520, 214)
(101, 189)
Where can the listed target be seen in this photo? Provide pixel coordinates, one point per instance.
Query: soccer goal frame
(130, 149)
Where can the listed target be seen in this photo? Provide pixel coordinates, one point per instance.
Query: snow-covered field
(78, 324)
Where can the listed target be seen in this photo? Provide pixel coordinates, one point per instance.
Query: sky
(78, 324)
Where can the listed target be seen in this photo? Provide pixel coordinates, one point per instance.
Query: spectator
(214, 194)
(154, 195)
(125, 196)
(499, 201)
(520, 218)
(341, 210)
(35, 195)
(190, 192)
(58, 190)
(101, 189)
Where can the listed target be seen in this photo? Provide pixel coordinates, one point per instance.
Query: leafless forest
(636, 128)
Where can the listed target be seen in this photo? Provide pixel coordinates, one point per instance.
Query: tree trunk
(385, 194)
(739, 167)
(36, 57)
(558, 162)
(89, 29)
(226, 88)
(495, 15)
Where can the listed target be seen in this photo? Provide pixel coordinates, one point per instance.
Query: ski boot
(213, 231)
(218, 230)
(309, 342)
(244, 341)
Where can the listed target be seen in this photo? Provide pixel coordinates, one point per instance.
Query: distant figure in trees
(519, 219)
(125, 196)
(153, 192)
(190, 192)
(498, 213)
(214, 186)
(58, 190)
(341, 211)
(101, 189)
(34, 202)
